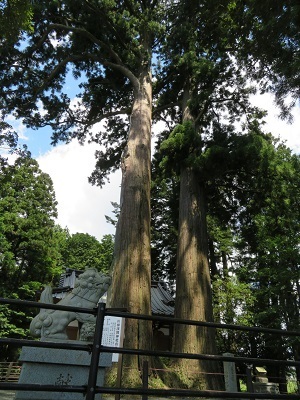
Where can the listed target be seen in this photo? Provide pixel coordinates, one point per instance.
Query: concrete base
(58, 367)
(272, 388)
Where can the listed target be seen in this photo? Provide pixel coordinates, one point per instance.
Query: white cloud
(81, 206)
(17, 124)
(279, 128)
(41, 109)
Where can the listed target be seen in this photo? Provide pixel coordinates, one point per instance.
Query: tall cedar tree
(204, 56)
(207, 83)
(107, 46)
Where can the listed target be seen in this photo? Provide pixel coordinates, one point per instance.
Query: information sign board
(113, 334)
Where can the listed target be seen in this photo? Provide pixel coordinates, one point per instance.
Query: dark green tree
(269, 234)
(28, 209)
(108, 46)
(28, 255)
(253, 226)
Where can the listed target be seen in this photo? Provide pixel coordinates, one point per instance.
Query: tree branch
(91, 37)
(203, 111)
(159, 109)
(85, 56)
(109, 114)
(117, 64)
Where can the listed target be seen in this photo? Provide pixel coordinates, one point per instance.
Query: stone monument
(57, 366)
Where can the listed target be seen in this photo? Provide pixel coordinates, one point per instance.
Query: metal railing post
(92, 381)
(250, 388)
(145, 378)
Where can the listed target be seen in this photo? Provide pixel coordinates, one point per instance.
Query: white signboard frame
(113, 334)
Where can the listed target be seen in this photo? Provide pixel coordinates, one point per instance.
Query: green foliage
(220, 235)
(267, 240)
(82, 250)
(270, 36)
(272, 233)
(8, 138)
(33, 250)
(293, 386)
(178, 149)
(233, 304)
(164, 206)
(15, 16)
(209, 49)
(116, 212)
(225, 162)
(107, 248)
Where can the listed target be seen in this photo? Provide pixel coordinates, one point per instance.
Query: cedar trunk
(193, 284)
(131, 281)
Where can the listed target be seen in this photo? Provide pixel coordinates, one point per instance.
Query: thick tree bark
(193, 285)
(131, 281)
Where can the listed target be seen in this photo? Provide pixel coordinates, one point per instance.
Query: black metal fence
(91, 389)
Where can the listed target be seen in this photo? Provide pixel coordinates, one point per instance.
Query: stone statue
(52, 324)
(87, 332)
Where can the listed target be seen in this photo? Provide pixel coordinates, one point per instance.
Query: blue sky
(38, 142)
